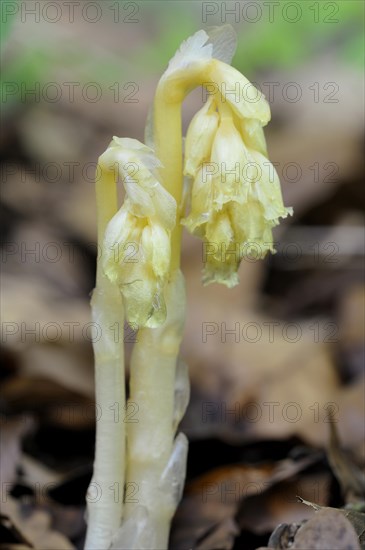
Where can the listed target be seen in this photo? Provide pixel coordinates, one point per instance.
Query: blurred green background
(279, 35)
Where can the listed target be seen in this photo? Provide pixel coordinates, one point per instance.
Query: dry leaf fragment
(356, 518)
(328, 528)
(283, 536)
(210, 507)
(219, 536)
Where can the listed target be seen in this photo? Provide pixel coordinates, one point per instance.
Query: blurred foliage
(322, 26)
(284, 44)
(277, 44)
(168, 35)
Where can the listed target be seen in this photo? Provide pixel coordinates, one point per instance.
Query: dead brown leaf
(327, 528)
(211, 501)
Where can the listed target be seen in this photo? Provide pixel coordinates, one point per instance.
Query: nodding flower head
(235, 191)
(137, 249)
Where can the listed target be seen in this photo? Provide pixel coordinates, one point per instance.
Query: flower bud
(199, 137)
(229, 157)
(136, 256)
(221, 251)
(201, 202)
(137, 248)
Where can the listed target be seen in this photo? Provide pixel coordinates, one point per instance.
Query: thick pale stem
(105, 494)
(150, 438)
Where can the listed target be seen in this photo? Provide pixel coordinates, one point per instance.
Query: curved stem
(154, 358)
(167, 135)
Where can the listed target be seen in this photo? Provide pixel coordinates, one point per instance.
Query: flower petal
(267, 189)
(161, 250)
(201, 202)
(229, 157)
(253, 135)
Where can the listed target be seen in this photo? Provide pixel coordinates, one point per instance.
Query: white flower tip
(217, 42)
(224, 41)
(194, 48)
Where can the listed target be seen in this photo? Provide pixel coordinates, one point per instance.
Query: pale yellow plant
(233, 197)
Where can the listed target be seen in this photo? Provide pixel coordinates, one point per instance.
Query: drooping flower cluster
(137, 249)
(235, 198)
